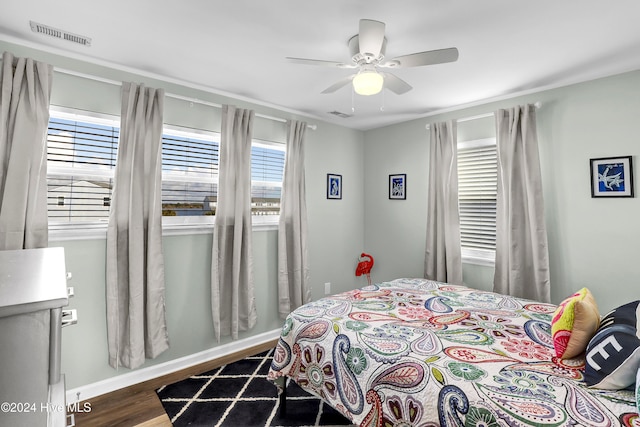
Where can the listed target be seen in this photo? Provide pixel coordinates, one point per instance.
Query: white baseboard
(125, 380)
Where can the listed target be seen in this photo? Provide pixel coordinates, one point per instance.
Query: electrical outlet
(327, 288)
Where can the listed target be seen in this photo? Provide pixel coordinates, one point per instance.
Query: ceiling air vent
(59, 34)
(340, 114)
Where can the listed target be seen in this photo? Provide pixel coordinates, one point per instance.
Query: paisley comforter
(414, 352)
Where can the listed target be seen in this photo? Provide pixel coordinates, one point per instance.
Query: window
(267, 172)
(81, 156)
(189, 174)
(82, 153)
(477, 191)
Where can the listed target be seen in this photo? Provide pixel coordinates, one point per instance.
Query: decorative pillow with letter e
(574, 323)
(613, 354)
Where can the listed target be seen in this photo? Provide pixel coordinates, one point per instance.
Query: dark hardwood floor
(138, 405)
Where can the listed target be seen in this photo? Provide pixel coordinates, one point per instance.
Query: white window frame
(178, 225)
(485, 257)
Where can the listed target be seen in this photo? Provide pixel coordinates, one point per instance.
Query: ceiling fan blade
(339, 84)
(424, 58)
(370, 38)
(320, 62)
(395, 84)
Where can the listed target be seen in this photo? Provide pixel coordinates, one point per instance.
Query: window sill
(98, 230)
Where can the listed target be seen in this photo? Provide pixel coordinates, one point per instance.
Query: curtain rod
(167, 94)
(537, 104)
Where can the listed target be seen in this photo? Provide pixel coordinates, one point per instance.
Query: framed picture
(334, 186)
(612, 177)
(398, 186)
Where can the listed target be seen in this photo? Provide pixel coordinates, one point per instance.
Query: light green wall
(188, 310)
(336, 229)
(395, 229)
(592, 242)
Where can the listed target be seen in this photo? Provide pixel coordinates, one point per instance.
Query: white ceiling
(239, 47)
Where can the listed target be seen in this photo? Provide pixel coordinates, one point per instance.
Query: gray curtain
(443, 257)
(522, 259)
(294, 288)
(136, 326)
(232, 295)
(24, 118)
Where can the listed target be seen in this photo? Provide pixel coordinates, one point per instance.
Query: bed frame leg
(283, 401)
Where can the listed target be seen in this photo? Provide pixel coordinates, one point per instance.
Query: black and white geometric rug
(239, 395)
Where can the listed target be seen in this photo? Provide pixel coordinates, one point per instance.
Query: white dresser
(33, 290)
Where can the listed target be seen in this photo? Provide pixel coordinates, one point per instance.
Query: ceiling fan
(367, 50)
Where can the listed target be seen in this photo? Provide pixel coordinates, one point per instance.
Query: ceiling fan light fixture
(368, 82)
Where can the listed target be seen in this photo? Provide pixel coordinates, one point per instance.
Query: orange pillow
(574, 323)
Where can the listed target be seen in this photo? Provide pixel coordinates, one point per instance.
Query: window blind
(80, 160)
(71, 142)
(189, 174)
(267, 171)
(477, 192)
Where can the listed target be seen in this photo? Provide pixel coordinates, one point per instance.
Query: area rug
(239, 395)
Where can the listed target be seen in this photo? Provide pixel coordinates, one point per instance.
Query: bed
(414, 352)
